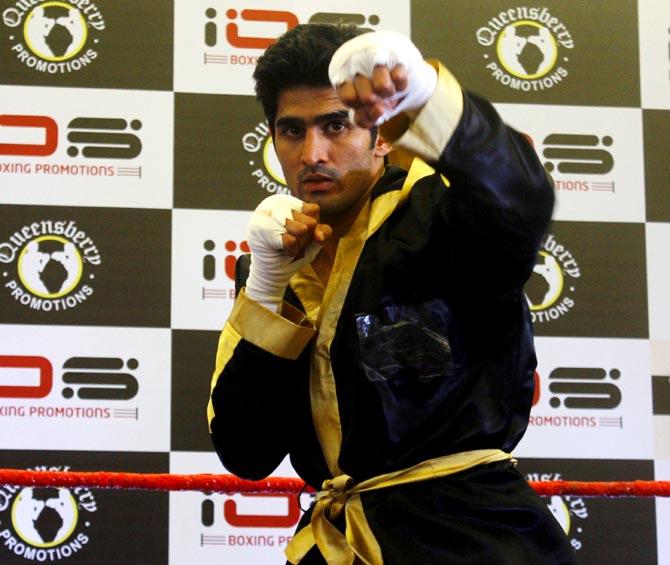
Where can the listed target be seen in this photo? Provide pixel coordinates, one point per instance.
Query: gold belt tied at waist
(358, 544)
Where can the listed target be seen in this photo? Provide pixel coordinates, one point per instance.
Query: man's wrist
(429, 131)
(271, 300)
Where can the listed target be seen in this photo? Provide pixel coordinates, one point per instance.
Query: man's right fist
(283, 235)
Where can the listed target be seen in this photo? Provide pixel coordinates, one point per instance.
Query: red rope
(610, 488)
(230, 484)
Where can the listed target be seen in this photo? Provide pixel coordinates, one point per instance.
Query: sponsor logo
(578, 388)
(287, 514)
(85, 139)
(570, 512)
(211, 271)
(235, 37)
(54, 37)
(45, 524)
(28, 364)
(550, 291)
(265, 168)
(574, 158)
(50, 265)
(584, 387)
(256, 29)
(536, 388)
(82, 379)
(526, 48)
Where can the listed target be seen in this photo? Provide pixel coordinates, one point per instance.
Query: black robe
(431, 354)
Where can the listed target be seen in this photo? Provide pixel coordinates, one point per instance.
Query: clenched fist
(381, 74)
(284, 234)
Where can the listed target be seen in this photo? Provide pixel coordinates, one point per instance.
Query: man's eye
(336, 126)
(291, 131)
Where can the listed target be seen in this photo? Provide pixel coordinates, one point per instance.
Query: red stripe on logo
(27, 362)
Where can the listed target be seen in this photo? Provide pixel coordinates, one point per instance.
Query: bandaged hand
(381, 74)
(283, 235)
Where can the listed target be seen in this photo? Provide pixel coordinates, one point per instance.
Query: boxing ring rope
(229, 484)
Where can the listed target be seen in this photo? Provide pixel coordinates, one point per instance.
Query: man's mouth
(317, 182)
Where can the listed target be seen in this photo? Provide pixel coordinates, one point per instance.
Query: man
(383, 339)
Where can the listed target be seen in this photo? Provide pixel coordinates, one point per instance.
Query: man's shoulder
(392, 179)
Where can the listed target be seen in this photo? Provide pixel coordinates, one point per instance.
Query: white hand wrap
(271, 268)
(361, 54)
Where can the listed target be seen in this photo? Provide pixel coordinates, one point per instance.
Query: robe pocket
(405, 353)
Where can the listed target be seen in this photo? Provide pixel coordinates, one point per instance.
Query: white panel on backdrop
(662, 473)
(205, 245)
(217, 528)
(86, 147)
(217, 44)
(654, 24)
(595, 156)
(658, 277)
(93, 388)
(593, 400)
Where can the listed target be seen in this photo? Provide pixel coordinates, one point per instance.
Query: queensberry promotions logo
(526, 48)
(570, 512)
(550, 291)
(50, 265)
(54, 37)
(263, 161)
(45, 524)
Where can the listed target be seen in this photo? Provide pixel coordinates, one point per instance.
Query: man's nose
(314, 147)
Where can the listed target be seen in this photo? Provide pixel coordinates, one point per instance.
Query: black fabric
(465, 251)
(242, 266)
(487, 515)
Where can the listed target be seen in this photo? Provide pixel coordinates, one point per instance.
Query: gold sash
(358, 545)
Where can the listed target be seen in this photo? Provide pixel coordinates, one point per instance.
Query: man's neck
(323, 263)
(341, 224)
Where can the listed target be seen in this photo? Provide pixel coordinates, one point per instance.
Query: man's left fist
(381, 74)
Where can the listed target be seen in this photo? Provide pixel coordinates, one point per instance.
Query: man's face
(325, 157)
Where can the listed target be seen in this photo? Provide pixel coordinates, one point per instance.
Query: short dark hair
(300, 57)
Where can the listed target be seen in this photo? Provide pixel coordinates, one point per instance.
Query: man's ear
(382, 147)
